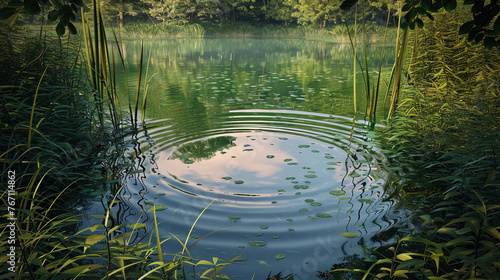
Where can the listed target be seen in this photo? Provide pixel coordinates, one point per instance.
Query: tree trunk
(233, 17)
(120, 13)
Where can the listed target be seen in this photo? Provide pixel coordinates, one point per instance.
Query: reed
(101, 68)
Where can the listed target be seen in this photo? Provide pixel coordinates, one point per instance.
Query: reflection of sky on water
(260, 161)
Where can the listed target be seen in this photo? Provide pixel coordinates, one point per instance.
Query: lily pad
(323, 215)
(239, 182)
(257, 243)
(258, 234)
(303, 210)
(298, 187)
(269, 156)
(304, 146)
(337, 192)
(348, 234)
(315, 151)
(280, 257)
(343, 198)
(311, 176)
(287, 160)
(234, 218)
(292, 163)
(316, 204)
(368, 201)
(158, 208)
(290, 178)
(264, 227)
(283, 138)
(227, 178)
(354, 175)
(289, 220)
(276, 237)
(247, 150)
(309, 200)
(188, 161)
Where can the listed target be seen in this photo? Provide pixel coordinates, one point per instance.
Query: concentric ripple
(293, 191)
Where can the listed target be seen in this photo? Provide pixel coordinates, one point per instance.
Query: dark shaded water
(264, 130)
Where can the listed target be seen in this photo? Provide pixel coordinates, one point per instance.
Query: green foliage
(485, 25)
(445, 144)
(63, 12)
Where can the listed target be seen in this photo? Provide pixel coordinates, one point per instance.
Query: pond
(268, 132)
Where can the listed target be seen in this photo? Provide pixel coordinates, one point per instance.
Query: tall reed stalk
(371, 93)
(102, 69)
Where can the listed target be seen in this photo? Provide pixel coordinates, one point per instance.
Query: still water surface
(265, 130)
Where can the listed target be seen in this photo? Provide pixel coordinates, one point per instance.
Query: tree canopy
(485, 25)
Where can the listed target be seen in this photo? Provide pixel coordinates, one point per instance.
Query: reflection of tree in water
(203, 149)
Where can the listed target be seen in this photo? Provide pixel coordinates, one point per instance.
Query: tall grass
(372, 89)
(444, 143)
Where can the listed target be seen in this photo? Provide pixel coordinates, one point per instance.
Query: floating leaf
(348, 234)
(239, 182)
(287, 160)
(234, 218)
(354, 175)
(188, 161)
(292, 163)
(269, 156)
(247, 150)
(303, 210)
(343, 198)
(368, 201)
(264, 227)
(323, 215)
(276, 237)
(315, 151)
(258, 234)
(311, 176)
(290, 178)
(312, 217)
(289, 220)
(298, 187)
(283, 138)
(304, 146)
(309, 200)
(227, 178)
(337, 192)
(158, 208)
(280, 257)
(257, 243)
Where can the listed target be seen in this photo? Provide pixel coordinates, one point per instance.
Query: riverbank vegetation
(56, 134)
(444, 143)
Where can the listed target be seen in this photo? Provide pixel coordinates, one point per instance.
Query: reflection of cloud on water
(248, 159)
